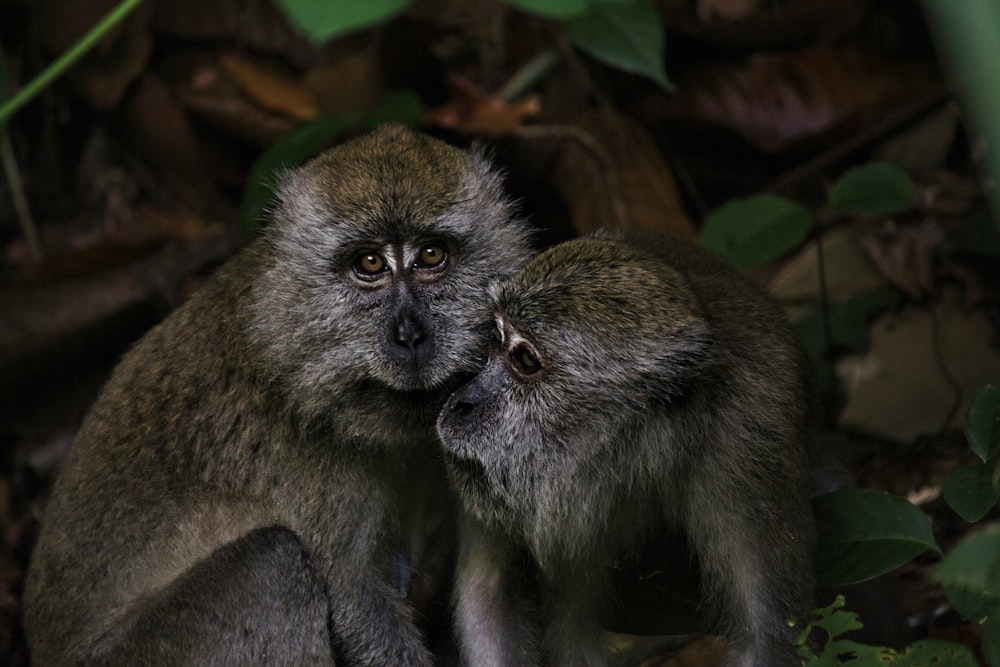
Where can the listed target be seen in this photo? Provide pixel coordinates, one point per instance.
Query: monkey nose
(410, 333)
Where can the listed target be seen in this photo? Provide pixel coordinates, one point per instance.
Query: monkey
(245, 485)
(638, 387)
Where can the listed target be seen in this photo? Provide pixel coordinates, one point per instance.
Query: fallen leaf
(611, 173)
(268, 86)
(472, 110)
(778, 101)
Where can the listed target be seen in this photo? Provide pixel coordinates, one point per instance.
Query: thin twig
(21, 208)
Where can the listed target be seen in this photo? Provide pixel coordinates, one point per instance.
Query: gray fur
(670, 392)
(242, 487)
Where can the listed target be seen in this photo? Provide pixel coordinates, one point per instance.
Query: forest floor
(132, 168)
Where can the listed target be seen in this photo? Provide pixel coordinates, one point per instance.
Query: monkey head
(588, 335)
(378, 256)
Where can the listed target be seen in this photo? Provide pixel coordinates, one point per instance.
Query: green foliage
(554, 9)
(865, 533)
(971, 491)
(873, 189)
(66, 60)
(970, 574)
(982, 423)
(757, 229)
(321, 20)
(291, 149)
(848, 329)
(834, 621)
(764, 227)
(308, 139)
(626, 35)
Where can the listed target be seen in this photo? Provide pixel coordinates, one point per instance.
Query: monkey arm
(496, 611)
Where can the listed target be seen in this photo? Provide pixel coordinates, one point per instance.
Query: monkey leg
(496, 613)
(254, 601)
(756, 574)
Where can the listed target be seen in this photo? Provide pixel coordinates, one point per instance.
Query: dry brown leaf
(610, 173)
(270, 87)
(727, 10)
(904, 252)
(707, 651)
(472, 110)
(777, 101)
(750, 24)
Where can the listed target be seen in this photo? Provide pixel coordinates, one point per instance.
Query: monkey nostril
(409, 333)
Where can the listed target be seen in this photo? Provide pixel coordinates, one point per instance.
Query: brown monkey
(243, 486)
(637, 383)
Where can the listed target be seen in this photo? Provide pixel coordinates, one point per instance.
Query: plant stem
(967, 33)
(67, 59)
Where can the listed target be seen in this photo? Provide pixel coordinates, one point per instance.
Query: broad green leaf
(865, 533)
(982, 422)
(877, 188)
(291, 149)
(970, 574)
(321, 21)
(757, 229)
(990, 642)
(935, 653)
(847, 652)
(628, 36)
(970, 491)
(401, 106)
(556, 9)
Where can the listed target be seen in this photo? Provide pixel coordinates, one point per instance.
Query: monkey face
(591, 338)
(380, 252)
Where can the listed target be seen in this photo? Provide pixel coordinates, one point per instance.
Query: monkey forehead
(607, 287)
(392, 181)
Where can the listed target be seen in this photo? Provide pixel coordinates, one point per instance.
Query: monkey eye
(369, 265)
(431, 256)
(524, 360)
(498, 333)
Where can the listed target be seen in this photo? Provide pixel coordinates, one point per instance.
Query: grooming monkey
(244, 485)
(638, 384)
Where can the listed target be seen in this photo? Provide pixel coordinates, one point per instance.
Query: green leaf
(556, 9)
(321, 21)
(935, 653)
(990, 642)
(291, 149)
(865, 533)
(757, 229)
(970, 491)
(877, 188)
(832, 619)
(847, 652)
(970, 574)
(628, 36)
(982, 422)
(401, 106)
